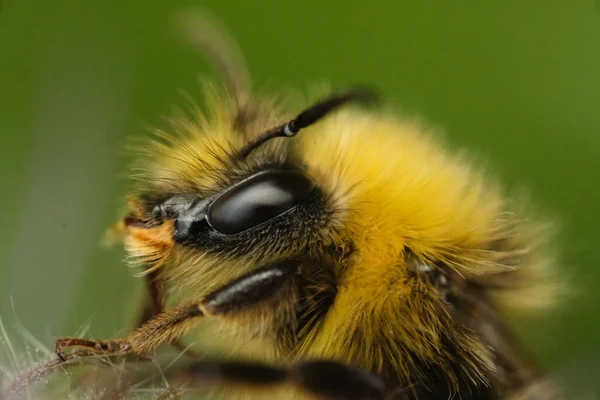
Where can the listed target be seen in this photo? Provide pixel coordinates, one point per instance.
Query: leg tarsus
(99, 347)
(165, 327)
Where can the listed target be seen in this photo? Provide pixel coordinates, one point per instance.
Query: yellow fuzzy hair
(392, 187)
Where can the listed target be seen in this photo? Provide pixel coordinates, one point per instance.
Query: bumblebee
(343, 253)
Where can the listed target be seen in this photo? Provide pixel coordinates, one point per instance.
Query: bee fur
(407, 255)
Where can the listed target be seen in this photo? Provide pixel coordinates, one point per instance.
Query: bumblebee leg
(324, 379)
(154, 299)
(233, 299)
(117, 346)
(154, 306)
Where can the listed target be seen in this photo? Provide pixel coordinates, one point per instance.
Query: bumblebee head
(235, 197)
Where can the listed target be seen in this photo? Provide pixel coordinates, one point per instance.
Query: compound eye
(258, 199)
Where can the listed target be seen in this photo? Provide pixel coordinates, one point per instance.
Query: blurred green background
(517, 82)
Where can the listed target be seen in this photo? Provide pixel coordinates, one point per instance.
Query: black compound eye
(258, 199)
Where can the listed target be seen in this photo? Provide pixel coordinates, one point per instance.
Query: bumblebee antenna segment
(310, 116)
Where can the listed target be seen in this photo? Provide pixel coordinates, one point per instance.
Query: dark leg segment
(325, 379)
(155, 284)
(241, 294)
(335, 380)
(249, 290)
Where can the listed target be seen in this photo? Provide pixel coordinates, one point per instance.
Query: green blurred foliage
(517, 83)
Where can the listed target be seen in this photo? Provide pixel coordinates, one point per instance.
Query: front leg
(236, 298)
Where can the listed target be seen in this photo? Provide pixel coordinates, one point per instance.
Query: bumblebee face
(221, 202)
(262, 204)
